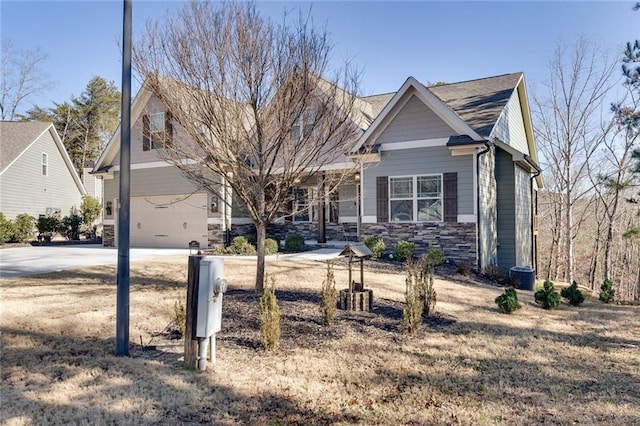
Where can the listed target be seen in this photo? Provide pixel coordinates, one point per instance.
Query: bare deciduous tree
(22, 77)
(255, 103)
(567, 127)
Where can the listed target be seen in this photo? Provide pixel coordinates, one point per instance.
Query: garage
(168, 221)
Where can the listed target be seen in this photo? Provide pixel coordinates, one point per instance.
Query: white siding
(415, 122)
(510, 126)
(24, 189)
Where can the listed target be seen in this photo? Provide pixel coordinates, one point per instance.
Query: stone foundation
(456, 240)
(334, 231)
(108, 235)
(215, 235)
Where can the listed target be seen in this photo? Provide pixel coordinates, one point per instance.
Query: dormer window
(157, 131)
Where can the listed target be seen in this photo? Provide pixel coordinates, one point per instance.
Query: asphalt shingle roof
(478, 102)
(15, 137)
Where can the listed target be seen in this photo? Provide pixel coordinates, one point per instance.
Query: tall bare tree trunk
(261, 236)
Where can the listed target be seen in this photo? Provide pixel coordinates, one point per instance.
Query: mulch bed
(301, 323)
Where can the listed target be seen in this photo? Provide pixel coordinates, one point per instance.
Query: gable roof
(16, 137)
(478, 102)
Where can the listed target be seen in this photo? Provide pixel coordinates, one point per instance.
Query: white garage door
(169, 222)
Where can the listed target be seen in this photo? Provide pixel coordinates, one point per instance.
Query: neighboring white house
(37, 176)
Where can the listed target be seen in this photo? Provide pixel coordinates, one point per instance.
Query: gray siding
(153, 182)
(416, 162)
(488, 244)
(523, 218)
(505, 176)
(415, 122)
(137, 154)
(25, 190)
(510, 127)
(348, 201)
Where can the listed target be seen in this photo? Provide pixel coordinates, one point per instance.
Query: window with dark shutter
(168, 128)
(146, 142)
(450, 196)
(382, 199)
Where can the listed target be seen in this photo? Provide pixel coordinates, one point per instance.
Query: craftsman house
(452, 166)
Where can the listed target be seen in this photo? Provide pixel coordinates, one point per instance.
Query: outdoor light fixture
(214, 204)
(194, 248)
(357, 176)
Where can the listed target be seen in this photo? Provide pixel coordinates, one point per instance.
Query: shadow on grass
(96, 277)
(126, 390)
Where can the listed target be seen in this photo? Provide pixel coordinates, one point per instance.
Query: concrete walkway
(25, 261)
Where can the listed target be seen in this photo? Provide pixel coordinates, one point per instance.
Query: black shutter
(334, 207)
(382, 198)
(146, 145)
(450, 196)
(168, 129)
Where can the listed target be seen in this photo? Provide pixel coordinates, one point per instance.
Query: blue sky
(432, 41)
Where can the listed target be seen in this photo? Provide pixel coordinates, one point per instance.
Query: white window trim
(44, 164)
(415, 198)
(160, 132)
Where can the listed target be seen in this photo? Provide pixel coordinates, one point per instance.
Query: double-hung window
(415, 198)
(302, 126)
(157, 130)
(45, 164)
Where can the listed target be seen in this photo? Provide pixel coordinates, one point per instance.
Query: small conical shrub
(548, 297)
(572, 294)
(607, 292)
(328, 304)
(508, 301)
(412, 313)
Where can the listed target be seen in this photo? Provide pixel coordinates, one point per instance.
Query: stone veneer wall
(215, 235)
(334, 231)
(456, 240)
(108, 235)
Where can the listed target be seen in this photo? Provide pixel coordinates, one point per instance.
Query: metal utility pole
(122, 308)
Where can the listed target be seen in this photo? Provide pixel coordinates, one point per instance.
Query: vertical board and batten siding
(510, 126)
(25, 190)
(523, 218)
(415, 121)
(506, 223)
(487, 228)
(420, 161)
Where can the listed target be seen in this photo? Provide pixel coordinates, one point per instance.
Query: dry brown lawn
(469, 364)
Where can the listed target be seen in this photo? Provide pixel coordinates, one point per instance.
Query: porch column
(322, 229)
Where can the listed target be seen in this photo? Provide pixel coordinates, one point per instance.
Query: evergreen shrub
(508, 301)
(573, 294)
(376, 245)
(547, 296)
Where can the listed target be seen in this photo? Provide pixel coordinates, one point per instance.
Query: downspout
(478, 242)
(537, 173)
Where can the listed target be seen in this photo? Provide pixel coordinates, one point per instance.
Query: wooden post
(190, 339)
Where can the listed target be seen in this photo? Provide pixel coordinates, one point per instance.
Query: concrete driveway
(24, 261)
